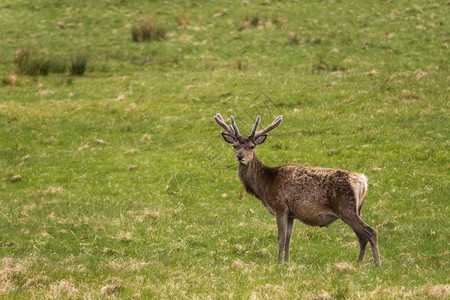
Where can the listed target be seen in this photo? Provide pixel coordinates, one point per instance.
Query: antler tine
(219, 120)
(274, 124)
(258, 119)
(235, 128)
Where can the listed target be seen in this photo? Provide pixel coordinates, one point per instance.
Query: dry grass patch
(147, 215)
(14, 273)
(63, 288)
(407, 96)
(125, 236)
(401, 292)
(243, 267)
(344, 267)
(111, 289)
(182, 20)
(292, 38)
(127, 264)
(148, 30)
(16, 178)
(258, 21)
(37, 281)
(131, 167)
(11, 79)
(270, 291)
(51, 190)
(320, 295)
(439, 290)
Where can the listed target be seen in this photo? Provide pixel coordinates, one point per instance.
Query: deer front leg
(282, 224)
(290, 229)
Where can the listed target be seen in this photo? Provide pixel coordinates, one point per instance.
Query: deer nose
(240, 156)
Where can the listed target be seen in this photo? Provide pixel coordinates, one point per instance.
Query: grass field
(117, 183)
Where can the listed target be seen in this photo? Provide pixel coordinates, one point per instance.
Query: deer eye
(252, 147)
(235, 146)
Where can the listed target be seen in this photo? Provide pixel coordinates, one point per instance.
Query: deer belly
(316, 217)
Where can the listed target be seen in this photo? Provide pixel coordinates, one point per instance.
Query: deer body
(307, 193)
(315, 196)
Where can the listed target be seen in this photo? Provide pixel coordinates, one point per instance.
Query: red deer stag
(315, 196)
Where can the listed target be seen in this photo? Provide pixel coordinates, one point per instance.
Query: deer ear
(228, 138)
(260, 139)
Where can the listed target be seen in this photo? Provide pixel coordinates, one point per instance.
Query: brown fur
(315, 196)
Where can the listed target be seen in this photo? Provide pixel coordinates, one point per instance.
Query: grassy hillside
(117, 182)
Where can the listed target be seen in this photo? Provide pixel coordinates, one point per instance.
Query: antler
(274, 124)
(221, 122)
(236, 130)
(252, 134)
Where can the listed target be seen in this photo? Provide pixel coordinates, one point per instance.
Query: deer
(315, 196)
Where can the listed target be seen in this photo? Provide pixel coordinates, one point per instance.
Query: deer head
(244, 147)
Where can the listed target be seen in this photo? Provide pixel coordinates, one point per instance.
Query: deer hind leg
(362, 245)
(371, 235)
(373, 240)
(361, 237)
(352, 216)
(365, 234)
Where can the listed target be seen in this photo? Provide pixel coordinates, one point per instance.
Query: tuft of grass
(32, 63)
(328, 62)
(148, 30)
(111, 289)
(57, 64)
(21, 55)
(136, 34)
(250, 20)
(79, 63)
(260, 21)
(292, 38)
(240, 64)
(182, 20)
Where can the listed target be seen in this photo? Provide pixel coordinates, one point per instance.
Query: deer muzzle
(240, 158)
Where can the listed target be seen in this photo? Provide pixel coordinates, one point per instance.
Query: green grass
(117, 183)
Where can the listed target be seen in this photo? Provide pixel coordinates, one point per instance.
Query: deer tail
(361, 192)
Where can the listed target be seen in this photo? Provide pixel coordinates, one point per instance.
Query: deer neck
(254, 176)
